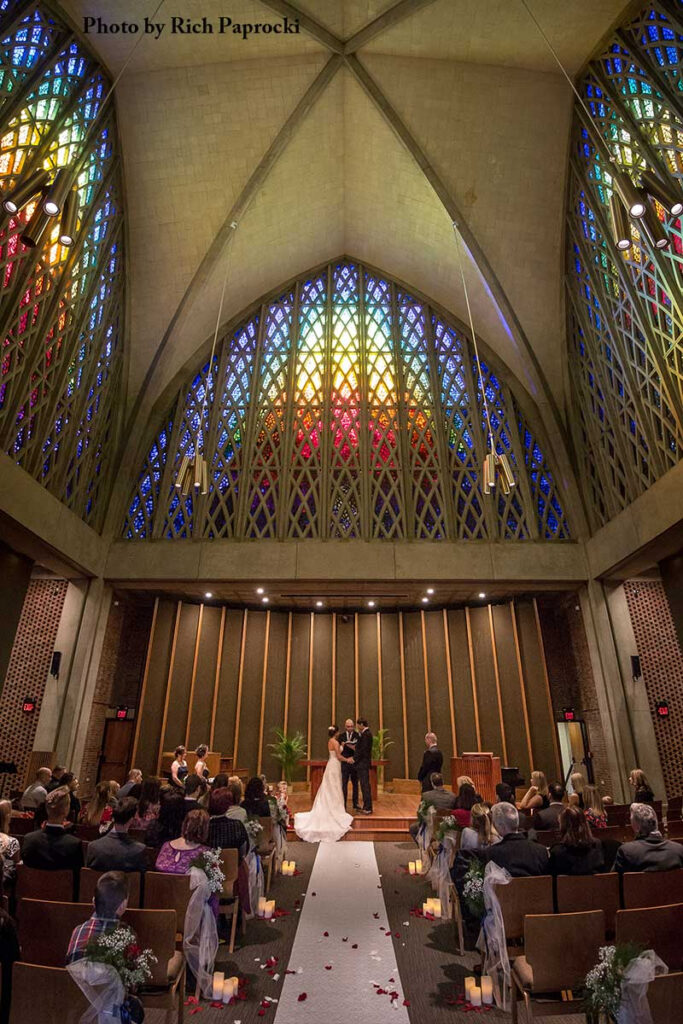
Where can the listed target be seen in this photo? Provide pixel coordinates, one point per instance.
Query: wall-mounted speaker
(636, 670)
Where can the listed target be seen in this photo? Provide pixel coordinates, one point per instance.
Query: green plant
(288, 750)
(380, 745)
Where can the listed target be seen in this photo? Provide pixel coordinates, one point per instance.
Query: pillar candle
(436, 908)
(411, 867)
(227, 990)
(269, 908)
(486, 989)
(217, 993)
(475, 995)
(262, 906)
(470, 981)
(285, 867)
(292, 867)
(418, 867)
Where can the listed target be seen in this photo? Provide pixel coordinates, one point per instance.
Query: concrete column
(15, 573)
(672, 579)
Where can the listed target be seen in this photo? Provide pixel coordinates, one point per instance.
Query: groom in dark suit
(362, 760)
(348, 739)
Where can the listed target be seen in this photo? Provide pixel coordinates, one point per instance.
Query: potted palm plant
(288, 750)
(380, 745)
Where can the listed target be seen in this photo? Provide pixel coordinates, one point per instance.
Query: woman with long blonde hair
(594, 808)
(536, 797)
(481, 833)
(98, 810)
(576, 797)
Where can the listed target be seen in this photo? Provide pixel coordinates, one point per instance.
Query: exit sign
(121, 712)
(662, 707)
(569, 714)
(28, 705)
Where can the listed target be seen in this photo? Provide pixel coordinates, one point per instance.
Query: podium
(318, 770)
(483, 769)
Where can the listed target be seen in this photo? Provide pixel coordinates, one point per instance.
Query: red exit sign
(121, 713)
(28, 705)
(569, 714)
(662, 707)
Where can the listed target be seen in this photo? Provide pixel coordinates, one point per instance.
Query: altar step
(373, 828)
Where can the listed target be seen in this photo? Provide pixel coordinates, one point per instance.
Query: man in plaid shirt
(110, 903)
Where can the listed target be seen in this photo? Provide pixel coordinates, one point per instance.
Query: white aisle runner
(341, 972)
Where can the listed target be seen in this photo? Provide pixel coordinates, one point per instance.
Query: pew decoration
(439, 874)
(616, 988)
(200, 939)
(112, 967)
(425, 832)
(492, 942)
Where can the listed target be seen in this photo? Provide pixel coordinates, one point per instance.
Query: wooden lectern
(483, 769)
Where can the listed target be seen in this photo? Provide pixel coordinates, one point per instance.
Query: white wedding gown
(327, 821)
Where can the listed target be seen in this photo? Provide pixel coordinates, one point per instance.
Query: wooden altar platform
(392, 814)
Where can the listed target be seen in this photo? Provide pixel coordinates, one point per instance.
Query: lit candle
(470, 981)
(269, 909)
(427, 907)
(486, 989)
(292, 867)
(262, 906)
(217, 993)
(418, 867)
(436, 908)
(227, 990)
(411, 867)
(475, 995)
(285, 867)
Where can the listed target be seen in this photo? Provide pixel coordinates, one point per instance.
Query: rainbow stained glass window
(625, 315)
(345, 407)
(60, 308)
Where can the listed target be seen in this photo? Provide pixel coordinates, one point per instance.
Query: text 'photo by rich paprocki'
(180, 25)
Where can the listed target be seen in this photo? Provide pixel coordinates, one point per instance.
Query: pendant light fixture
(622, 230)
(665, 194)
(23, 193)
(67, 226)
(496, 467)
(33, 233)
(193, 473)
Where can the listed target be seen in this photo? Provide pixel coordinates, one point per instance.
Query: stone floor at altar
(392, 814)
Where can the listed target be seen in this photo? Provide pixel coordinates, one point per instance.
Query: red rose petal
(392, 979)
(328, 967)
(397, 935)
(376, 916)
(354, 946)
(314, 894)
(217, 1006)
(197, 1009)
(261, 1013)
(302, 996)
(326, 934)
(345, 939)
(406, 1002)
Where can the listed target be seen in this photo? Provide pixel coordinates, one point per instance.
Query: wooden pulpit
(483, 769)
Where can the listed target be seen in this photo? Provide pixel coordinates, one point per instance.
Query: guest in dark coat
(52, 848)
(169, 824)
(521, 856)
(577, 852)
(432, 761)
(649, 851)
(226, 833)
(195, 788)
(546, 819)
(255, 800)
(116, 851)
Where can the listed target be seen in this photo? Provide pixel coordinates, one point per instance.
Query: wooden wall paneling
(415, 689)
(143, 685)
(380, 680)
(216, 679)
(226, 706)
(438, 684)
(151, 712)
(193, 677)
(392, 695)
(356, 691)
(205, 676)
(167, 686)
(252, 683)
(288, 672)
(309, 691)
(298, 684)
(449, 679)
(522, 689)
(321, 689)
(334, 671)
(404, 699)
(425, 670)
(368, 692)
(549, 699)
(499, 702)
(345, 674)
(541, 725)
(513, 706)
(463, 694)
(240, 686)
(264, 680)
(181, 676)
(489, 719)
(473, 680)
(274, 714)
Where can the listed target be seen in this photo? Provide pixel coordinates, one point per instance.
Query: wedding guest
(255, 801)
(546, 819)
(642, 792)
(175, 856)
(464, 802)
(179, 769)
(438, 797)
(200, 768)
(235, 786)
(71, 782)
(649, 851)
(577, 852)
(116, 851)
(432, 761)
(56, 777)
(576, 797)
(9, 954)
(35, 794)
(220, 781)
(226, 832)
(98, 812)
(52, 848)
(536, 797)
(134, 779)
(594, 807)
(195, 788)
(480, 834)
(148, 804)
(169, 824)
(505, 794)
(521, 856)
(110, 903)
(10, 851)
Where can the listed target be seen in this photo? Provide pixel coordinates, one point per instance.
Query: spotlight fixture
(652, 227)
(35, 229)
(208, 594)
(56, 193)
(265, 600)
(20, 195)
(259, 590)
(430, 590)
(669, 197)
(629, 194)
(482, 596)
(318, 604)
(620, 225)
(371, 604)
(193, 474)
(425, 600)
(67, 226)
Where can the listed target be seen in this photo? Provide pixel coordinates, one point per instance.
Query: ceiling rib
(403, 9)
(308, 24)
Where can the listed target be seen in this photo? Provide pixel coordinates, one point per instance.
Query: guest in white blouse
(481, 833)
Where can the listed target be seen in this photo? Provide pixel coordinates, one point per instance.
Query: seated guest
(432, 761)
(56, 778)
(649, 851)
(505, 794)
(194, 790)
(10, 851)
(148, 804)
(521, 856)
(594, 807)
(179, 769)
(220, 781)
(71, 782)
(577, 852)
(169, 824)
(438, 797)
(226, 832)
(117, 851)
(134, 779)
(235, 786)
(35, 794)
(109, 905)
(642, 792)
(464, 802)
(255, 800)
(52, 848)
(200, 768)
(175, 857)
(480, 834)
(536, 797)
(576, 797)
(546, 820)
(98, 812)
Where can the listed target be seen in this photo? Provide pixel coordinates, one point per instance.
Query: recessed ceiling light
(430, 590)
(208, 594)
(371, 604)
(265, 600)
(425, 600)
(259, 590)
(482, 596)
(318, 604)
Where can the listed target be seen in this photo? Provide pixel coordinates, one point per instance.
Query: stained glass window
(346, 407)
(625, 314)
(60, 308)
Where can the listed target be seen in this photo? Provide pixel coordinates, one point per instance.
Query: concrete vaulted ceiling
(469, 85)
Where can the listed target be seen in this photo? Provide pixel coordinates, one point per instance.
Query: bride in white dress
(327, 821)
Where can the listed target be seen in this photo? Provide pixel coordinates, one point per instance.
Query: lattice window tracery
(344, 409)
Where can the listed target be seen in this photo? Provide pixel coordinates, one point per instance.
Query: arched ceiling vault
(368, 132)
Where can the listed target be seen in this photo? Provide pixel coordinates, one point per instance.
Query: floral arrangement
(447, 825)
(254, 829)
(603, 982)
(279, 811)
(473, 888)
(424, 810)
(119, 948)
(209, 861)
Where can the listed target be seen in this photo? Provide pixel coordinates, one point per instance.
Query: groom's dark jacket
(363, 755)
(349, 751)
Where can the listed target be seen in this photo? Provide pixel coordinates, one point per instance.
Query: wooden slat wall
(256, 687)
